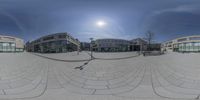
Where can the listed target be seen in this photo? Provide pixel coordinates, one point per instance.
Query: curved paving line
(94, 79)
(116, 58)
(101, 89)
(179, 86)
(37, 95)
(155, 91)
(136, 86)
(22, 76)
(180, 72)
(15, 75)
(176, 84)
(61, 59)
(142, 71)
(113, 58)
(34, 87)
(182, 93)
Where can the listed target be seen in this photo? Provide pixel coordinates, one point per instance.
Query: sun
(101, 23)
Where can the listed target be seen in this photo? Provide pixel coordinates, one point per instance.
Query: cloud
(193, 8)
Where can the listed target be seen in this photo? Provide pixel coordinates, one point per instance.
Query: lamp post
(91, 48)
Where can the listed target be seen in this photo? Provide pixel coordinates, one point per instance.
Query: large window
(194, 38)
(1, 47)
(183, 39)
(196, 46)
(187, 47)
(7, 47)
(190, 47)
(181, 47)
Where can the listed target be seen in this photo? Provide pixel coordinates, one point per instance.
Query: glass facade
(189, 47)
(55, 47)
(112, 45)
(7, 47)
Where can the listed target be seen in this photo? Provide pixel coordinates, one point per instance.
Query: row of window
(190, 38)
(9, 38)
(118, 41)
(55, 46)
(112, 44)
(7, 47)
(62, 36)
(189, 46)
(183, 39)
(194, 38)
(48, 38)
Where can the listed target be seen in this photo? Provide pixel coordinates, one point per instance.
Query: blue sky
(126, 19)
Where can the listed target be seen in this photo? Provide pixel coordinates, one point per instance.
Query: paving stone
(78, 90)
(93, 82)
(173, 76)
(95, 87)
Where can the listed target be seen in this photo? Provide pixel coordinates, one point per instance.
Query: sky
(125, 19)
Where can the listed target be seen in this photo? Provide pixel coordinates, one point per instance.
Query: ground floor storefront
(55, 47)
(187, 47)
(9, 47)
(112, 49)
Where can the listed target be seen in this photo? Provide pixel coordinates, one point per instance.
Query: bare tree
(149, 36)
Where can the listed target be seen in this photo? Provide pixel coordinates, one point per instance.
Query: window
(182, 47)
(191, 47)
(9, 38)
(48, 38)
(196, 46)
(37, 41)
(194, 38)
(1, 46)
(183, 39)
(62, 36)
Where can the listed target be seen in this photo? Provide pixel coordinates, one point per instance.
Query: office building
(54, 43)
(11, 44)
(138, 44)
(183, 44)
(111, 45)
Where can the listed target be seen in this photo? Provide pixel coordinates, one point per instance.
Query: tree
(149, 38)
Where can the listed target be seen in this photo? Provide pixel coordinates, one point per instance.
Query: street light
(91, 47)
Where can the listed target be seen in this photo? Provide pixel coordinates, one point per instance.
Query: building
(155, 47)
(54, 43)
(111, 45)
(183, 44)
(85, 46)
(138, 44)
(11, 44)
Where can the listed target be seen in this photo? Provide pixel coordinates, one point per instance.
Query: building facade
(155, 47)
(183, 44)
(11, 44)
(85, 46)
(138, 44)
(111, 45)
(120, 45)
(54, 43)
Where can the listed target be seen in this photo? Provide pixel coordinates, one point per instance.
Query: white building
(11, 44)
(183, 44)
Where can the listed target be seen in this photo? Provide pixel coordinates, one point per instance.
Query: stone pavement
(172, 76)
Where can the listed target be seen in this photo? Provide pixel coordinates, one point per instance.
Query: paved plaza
(109, 76)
